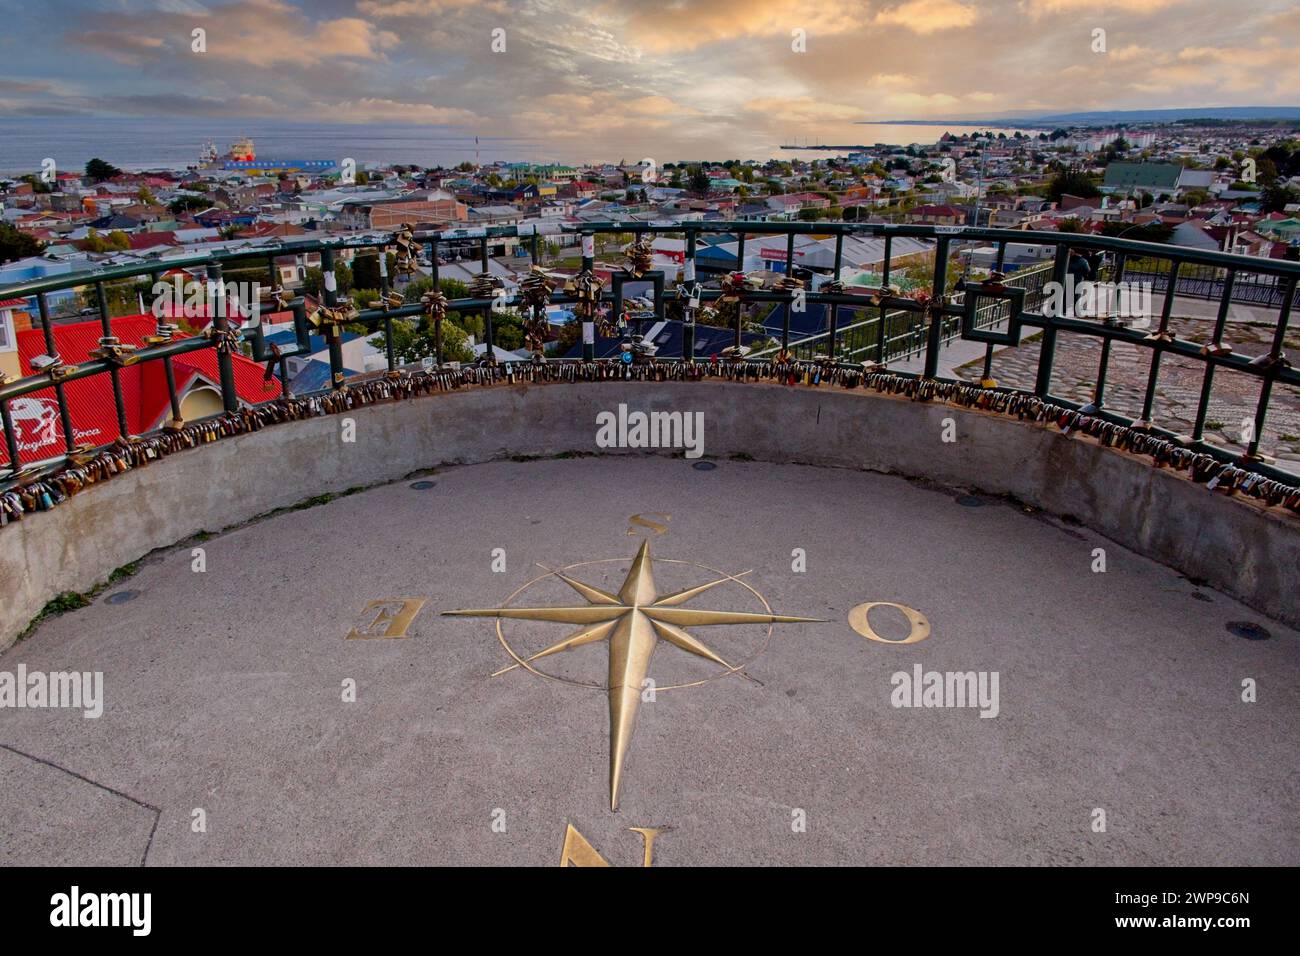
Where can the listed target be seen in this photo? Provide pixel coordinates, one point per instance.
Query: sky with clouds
(635, 74)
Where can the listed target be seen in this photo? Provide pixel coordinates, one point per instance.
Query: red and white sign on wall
(38, 426)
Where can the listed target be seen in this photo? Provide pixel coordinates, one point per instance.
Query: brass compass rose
(634, 621)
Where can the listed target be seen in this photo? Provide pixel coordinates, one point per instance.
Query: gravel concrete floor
(1118, 691)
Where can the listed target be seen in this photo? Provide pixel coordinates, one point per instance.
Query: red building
(144, 389)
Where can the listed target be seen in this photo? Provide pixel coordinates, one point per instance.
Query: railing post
(1209, 352)
(435, 287)
(1272, 363)
(789, 274)
(331, 301)
(281, 363)
(47, 333)
(884, 284)
(384, 286)
(11, 436)
(934, 341)
(489, 353)
(221, 323)
(588, 246)
(115, 374)
(1047, 349)
(163, 330)
(688, 314)
(835, 308)
(1158, 340)
(740, 304)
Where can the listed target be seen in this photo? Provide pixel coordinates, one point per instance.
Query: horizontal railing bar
(1131, 247)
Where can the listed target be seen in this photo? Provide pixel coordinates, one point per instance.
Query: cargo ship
(242, 157)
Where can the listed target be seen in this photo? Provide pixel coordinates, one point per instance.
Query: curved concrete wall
(1237, 547)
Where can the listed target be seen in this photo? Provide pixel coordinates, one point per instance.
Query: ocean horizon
(153, 143)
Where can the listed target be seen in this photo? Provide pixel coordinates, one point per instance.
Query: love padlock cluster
(43, 490)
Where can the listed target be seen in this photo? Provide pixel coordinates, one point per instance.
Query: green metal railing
(904, 325)
(903, 337)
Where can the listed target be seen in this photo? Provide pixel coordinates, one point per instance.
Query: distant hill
(1112, 117)
(1108, 117)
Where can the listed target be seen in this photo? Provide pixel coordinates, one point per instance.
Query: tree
(569, 335)
(314, 281)
(1151, 232)
(15, 244)
(507, 329)
(451, 288)
(97, 171)
(123, 298)
(183, 204)
(38, 185)
(1074, 182)
(365, 270)
(411, 343)
(1276, 196)
(94, 242)
(698, 180)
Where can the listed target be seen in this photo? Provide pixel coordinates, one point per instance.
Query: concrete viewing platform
(292, 694)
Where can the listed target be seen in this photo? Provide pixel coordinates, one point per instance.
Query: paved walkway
(224, 691)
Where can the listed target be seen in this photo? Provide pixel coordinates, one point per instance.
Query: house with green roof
(551, 171)
(1283, 230)
(1156, 179)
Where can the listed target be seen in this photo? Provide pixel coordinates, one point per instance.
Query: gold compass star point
(633, 621)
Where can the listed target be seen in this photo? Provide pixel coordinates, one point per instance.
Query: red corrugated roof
(90, 400)
(147, 240)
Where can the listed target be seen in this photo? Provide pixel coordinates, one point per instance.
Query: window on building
(8, 341)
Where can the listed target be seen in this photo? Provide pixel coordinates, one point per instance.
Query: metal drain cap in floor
(1249, 630)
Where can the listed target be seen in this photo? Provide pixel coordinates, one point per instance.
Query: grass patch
(72, 600)
(125, 571)
(306, 503)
